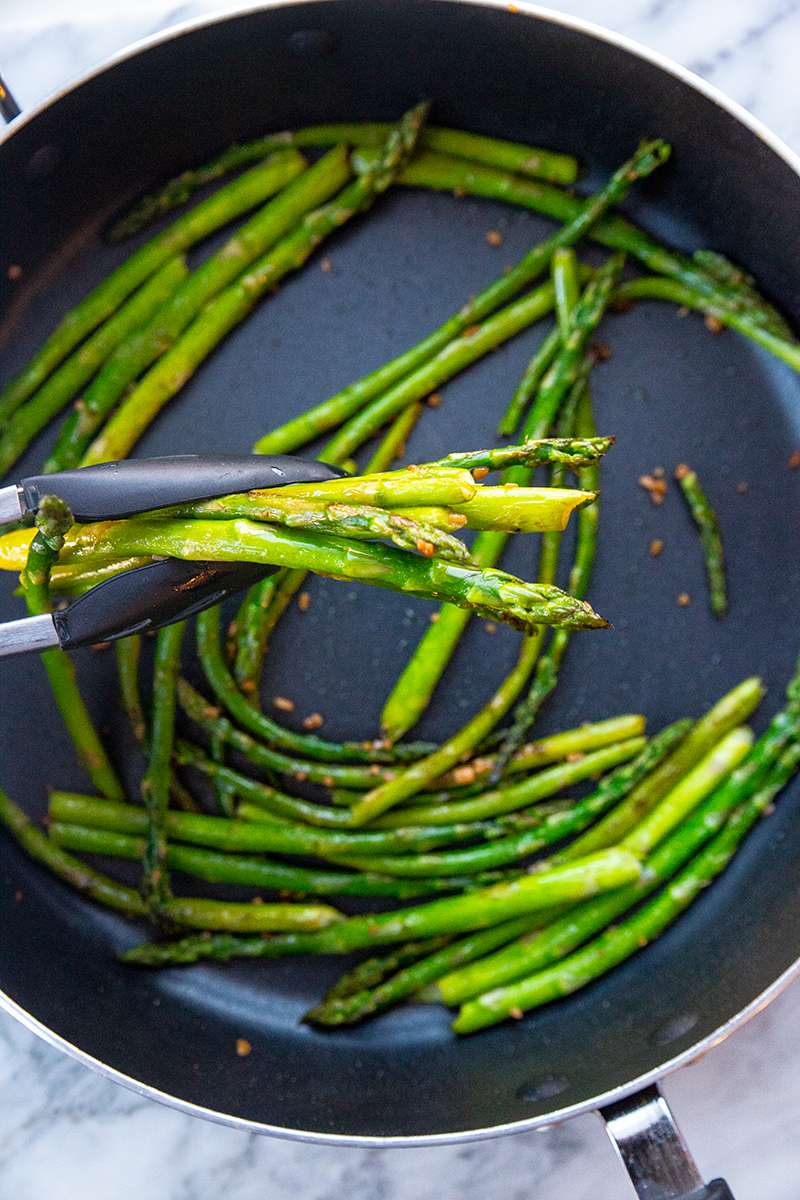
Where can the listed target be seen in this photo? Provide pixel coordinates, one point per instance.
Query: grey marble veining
(66, 1133)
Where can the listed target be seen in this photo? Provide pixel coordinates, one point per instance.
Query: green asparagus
(209, 215)
(236, 301)
(708, 527)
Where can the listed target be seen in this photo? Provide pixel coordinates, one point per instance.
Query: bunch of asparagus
(478, 831)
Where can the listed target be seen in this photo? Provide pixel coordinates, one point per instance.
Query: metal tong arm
(159, 593)
(136, 601)
(121, 489)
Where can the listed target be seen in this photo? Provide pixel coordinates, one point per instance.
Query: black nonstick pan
(671, 391)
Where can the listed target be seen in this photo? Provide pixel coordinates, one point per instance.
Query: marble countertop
(67, 1133)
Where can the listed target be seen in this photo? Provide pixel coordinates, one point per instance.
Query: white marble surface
(65, 1133)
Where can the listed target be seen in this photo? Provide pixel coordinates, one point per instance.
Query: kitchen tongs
(148, 597)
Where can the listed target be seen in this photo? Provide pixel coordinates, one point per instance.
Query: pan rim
(522, 8)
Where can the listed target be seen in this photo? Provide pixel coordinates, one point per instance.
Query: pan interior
(671, 392)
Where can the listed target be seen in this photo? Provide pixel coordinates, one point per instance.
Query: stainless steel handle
(8, 105)
(652, 1150)
(10, 504)
(27, 635)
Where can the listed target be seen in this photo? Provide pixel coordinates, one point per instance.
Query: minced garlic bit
(243, 1047)
(434, 400)
(283, 703)
(794, 460)
(684, 600)
(426, 548)
(743, 487)
(304, 601)
(712, 323)
(490, 627)
(656, 546)
(314, 720)
(325, 265)
(655, 487)
(494, 237)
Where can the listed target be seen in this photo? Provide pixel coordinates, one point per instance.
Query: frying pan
(671, 391)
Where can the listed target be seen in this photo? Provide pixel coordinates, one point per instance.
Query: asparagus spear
(348, 1007)
(493, 594)
(78, 875)
(731, 710)
(258, 615)
(215, 867)
(710, 771)
(522, 842)
(128, 654)
(513, 156)
(306, 189)
(158, 776)
(28, 420)
(524, 957)
(393, 443)
(447, 964)
(260, 610)
(505, 799)
(269, 835)
(372, 971)
(564, 271)
(224, 206)
(472, 733)
(415, 685)
(509, 508)
(261, 725)
(708, 527)
(198, 913)
(270, 799)
(754, 320)
(351, 399)
(236, 301)
(533, 452)
(361, 521)
(468, 778)
(476, 910)
(626, 938)
(327, 773)
(687, 296)
(428, 769)
(532, 376)
(552, 748)
(189, 912)
(736, 279)
(549, 663)
(53, 519)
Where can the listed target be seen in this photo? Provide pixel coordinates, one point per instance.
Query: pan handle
(8, 105)
(652, 1149)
